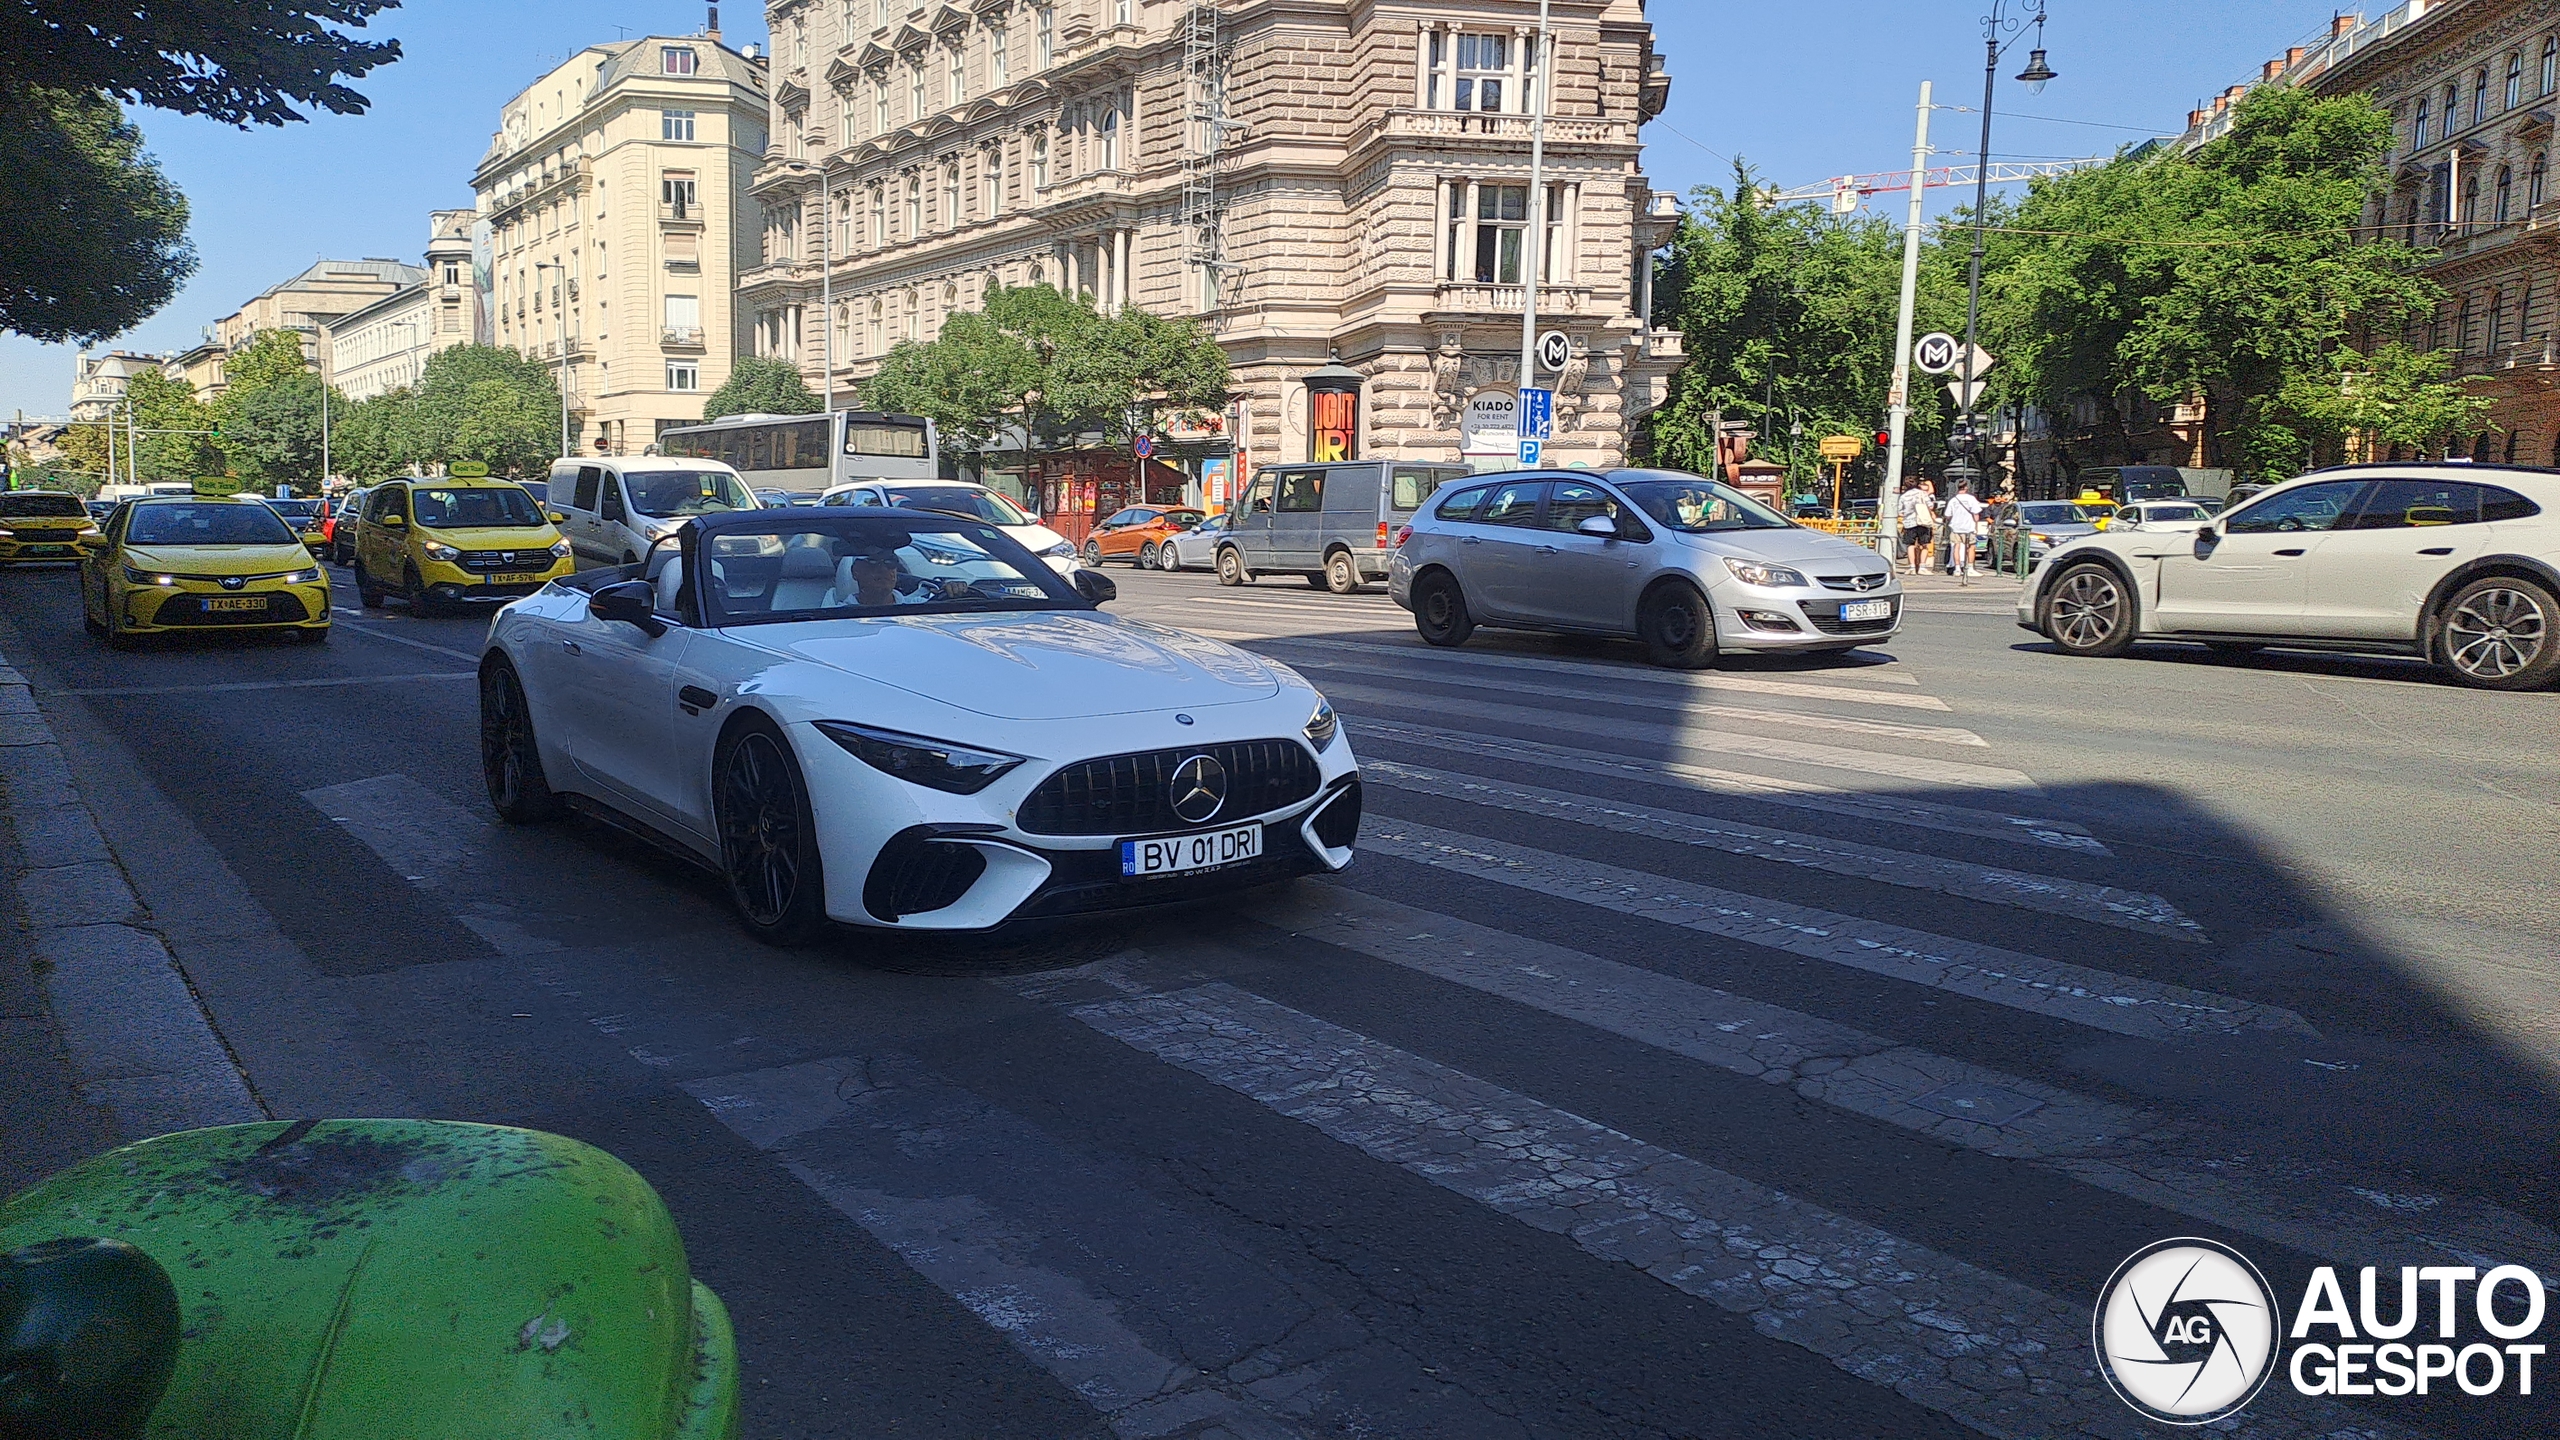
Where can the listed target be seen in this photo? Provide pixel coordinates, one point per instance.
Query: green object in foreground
(370, 1279)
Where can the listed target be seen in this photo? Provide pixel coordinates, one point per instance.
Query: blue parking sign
(1530, 450)
(1537, 414)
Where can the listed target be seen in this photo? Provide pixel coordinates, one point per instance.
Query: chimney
(2341, 24)
(2293, 56)
(2196, 118)
(714, 31)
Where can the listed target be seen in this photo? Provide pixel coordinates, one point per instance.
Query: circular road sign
(1936, 352)
(1554, 351)
(1145, 446)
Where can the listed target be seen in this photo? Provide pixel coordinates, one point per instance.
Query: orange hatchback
(1135, 534)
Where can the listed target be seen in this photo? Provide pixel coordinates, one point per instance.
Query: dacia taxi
(42, 525)
(213, 560)
(460, 540)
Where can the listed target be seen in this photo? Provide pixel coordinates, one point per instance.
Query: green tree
(164, 403)
(98, 241)
(478, 402)
(242, 62)
(270, 411)
(761, 386)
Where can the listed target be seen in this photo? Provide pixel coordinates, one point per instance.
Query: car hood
(1035, 538)
(217, 559)
(1041, 666)
(510, 537)
(2068, 530)
(1790, 547)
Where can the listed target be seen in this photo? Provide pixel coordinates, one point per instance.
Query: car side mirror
(633, 602)
(555, 517)
(1600, 525)
(392, 522)
(1096, 587)
(91, 543)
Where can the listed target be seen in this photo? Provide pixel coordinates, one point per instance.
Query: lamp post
(826, 275)
(1997, 24)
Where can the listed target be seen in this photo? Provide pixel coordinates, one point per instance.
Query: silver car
(1686, 564)
(2044, 523)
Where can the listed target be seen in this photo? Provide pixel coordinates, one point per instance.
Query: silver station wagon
(1686, 564)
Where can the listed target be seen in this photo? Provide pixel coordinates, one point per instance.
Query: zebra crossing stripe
(1996, 1355)
(2120, 1004)
(2133, 910)
(1868, 805)
(1690, 681)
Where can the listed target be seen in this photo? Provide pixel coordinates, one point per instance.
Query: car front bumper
(188, 606)
(35, 548)
(1786, 618)
(455, 585)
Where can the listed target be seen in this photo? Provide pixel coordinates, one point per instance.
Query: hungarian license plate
(229, 603)
(48, 549)
(1185, 854)
(1867, 610)
(527, 578)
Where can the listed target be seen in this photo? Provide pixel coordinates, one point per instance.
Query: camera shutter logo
(2186, 1331)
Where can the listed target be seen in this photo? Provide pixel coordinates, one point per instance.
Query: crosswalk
(1601, 912)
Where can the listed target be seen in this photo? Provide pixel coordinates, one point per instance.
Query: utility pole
(1537, 88)
(1888, 532)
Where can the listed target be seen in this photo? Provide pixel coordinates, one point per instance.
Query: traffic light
(217, 429)
(1884, 439)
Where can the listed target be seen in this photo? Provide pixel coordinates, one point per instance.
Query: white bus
(793, 459)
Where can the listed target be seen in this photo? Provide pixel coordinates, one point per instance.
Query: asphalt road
(1792, 1049)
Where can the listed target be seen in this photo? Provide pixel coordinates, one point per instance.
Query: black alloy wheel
(414, 590)
(1440, 610)
(768, 838)
(2087, 612)
(2500, 633)
(510, 761)
(1231, 569)
(1678, 629)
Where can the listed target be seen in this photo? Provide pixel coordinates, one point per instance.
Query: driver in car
(878, 579)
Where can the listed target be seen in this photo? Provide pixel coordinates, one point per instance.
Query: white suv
(2457, 563)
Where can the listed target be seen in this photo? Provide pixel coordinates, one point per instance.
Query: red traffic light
(1884, 439)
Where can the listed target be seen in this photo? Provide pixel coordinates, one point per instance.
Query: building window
(914, 317)
(452, 320)
(2497, 320)
(684, 375)
(880, 104)
(2418, 132)
(843, 235)
(1044, 36)
(2506, 190)
(1120, 11)
(676, 60)
(915, 90)
(879, 216)
(998, 66)
(915, 205)
(676, 195)
(1483, 64)
(2470, 202)
(2550, 65)
(684, 320)
(2480, 97)
(675, 125)
(2515, 80)
(453, 269)
(1040, 162)
(684, 253)
(874, 330)
(991, 178)
(1107, 154)
(1555, 261)
(1502, 213)
(2462, 327)
(951, 195)
(852, 114)
(2452, 110)
(957, 65)
(2534, 181)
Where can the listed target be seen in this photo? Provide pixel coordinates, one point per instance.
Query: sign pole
(1536, 99)
(1888, 534)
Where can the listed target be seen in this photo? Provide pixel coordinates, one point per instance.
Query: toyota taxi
(464, 539)
(167, 564)
(42, 525)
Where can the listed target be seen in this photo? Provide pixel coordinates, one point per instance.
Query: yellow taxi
(460, 540)
(175, 564)
(2098, 508)
(42, 525)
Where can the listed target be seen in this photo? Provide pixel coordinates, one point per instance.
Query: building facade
(613, 220)
(98, 382)
(1316, 180)
(386, 345)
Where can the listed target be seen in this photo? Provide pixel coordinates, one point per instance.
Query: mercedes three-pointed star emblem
(1199, 789)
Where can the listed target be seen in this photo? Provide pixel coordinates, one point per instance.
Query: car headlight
(88, 530)
(304, 577)
(934, 764)
(1322, 726)
(145, 577)
(560, 551)
(1060, 551)
(1753, 574)
(2043, 539)
(435, 550)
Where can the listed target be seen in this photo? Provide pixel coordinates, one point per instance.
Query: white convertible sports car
(903, 719)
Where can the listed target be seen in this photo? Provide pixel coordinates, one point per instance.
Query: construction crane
(1204, 60)
(1848, 192)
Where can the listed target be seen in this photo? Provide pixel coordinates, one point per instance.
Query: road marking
(1864, 671)
(370, 632)
(1997, 1355)
(270, 684)
(435, 845)
(2120, 1004)
(1908, 769)
(1868, 805)
(2135, 910)
(1919, 734)
(2193, 1169)
(1690, 681)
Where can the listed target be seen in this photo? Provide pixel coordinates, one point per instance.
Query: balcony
(1411, 124)
(680, 337)
(1663, 345)
(1460, 297)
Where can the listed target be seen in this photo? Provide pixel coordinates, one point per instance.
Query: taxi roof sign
(468, 470)
(217, 485)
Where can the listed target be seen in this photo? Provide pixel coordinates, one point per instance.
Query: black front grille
(1132, 794)
(489, 562)
(1859, 583)
(281, 609)
(914, 874)
(1826, 618)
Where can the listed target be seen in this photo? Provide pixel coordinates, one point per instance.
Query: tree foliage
(97, 242)
(270, 411)
(165, 403)
(471, 402)
(242, 62)
(761, 386)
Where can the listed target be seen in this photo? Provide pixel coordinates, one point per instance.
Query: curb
(140, 1043)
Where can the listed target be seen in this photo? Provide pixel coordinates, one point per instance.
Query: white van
(614, 507)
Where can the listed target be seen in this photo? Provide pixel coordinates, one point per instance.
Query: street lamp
(1995, 25)
(826, 274)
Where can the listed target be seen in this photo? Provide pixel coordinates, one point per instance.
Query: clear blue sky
(1804, 90)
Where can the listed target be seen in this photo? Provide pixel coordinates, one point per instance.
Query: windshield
(1695, 504)
(2054, 512)
(966, 500)
(1182, 519)
(28, 506)
(673, 494)
(2172, 512)
(295, 509)
(212, 522)
(480, 507)
(807, 568)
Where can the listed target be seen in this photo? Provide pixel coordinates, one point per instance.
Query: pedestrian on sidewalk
(1964, 526)
(1919, 524)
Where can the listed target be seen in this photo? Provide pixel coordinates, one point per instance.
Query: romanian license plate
(1867, 610)
(528, 578)
(228, 603)
(1184, 854)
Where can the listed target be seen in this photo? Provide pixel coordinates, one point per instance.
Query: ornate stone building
(1318, 180)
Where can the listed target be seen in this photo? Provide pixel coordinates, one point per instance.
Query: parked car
(960, 497)
(613, 508)
(1334, 523)
(339, 530)
(2160, 515)
(1195, 548)
(1137, 533)
(906, 720)
(1690, 566)
(2456, 563)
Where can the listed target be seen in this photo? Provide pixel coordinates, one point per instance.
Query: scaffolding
(1204, 64)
